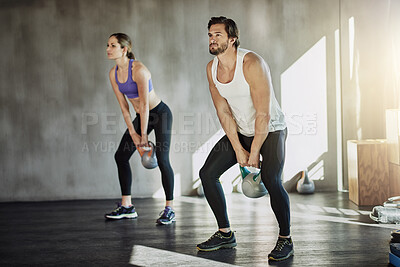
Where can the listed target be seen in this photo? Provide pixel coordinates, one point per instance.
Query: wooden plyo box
(393, 150)
(393, 135)
(394, 180)
(368, 171)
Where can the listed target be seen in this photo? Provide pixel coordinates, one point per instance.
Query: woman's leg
(161, 120)
(124, 152)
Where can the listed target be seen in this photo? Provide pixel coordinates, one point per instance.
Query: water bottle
(385, 214)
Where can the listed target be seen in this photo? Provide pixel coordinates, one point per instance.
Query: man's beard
(221, 49)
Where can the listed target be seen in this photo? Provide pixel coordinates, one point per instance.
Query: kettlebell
(252, 186)
(148, 155)
(305, 185)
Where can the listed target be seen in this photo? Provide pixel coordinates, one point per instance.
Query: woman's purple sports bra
(129, 88)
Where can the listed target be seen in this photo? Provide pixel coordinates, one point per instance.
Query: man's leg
(220, 159)
(273, 153)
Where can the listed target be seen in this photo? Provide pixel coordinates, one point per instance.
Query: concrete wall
(60, 121)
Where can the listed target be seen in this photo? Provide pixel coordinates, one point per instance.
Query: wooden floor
(327, 230)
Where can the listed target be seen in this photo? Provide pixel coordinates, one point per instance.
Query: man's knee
(271, 182)
(204, 173)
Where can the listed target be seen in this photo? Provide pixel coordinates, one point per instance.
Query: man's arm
(226, 119)
(257, 76)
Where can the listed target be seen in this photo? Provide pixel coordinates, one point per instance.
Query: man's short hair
(230, 28)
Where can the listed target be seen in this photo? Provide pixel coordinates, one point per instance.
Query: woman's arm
(124, 108)
(141, 75)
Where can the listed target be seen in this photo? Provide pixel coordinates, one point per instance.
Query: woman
(132, 79)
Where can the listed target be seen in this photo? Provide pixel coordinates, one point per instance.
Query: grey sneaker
(283, 250)
(217, 241)
(167, 216)
(121, 212)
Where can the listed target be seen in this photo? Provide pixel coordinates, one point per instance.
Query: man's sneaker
(121, 212)
(167, 216)
(283, 249)
(217, 241)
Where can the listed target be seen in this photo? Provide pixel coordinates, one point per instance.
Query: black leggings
(222, 157)
(160, 119)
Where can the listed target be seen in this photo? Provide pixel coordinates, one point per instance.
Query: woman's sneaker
(283, 249)
(121, 212)
(217, 241)
(167, 216)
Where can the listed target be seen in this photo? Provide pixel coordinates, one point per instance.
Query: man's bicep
(258, 79)
(260, 94)
(261, 99)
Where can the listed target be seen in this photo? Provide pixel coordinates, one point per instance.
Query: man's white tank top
(237, 93)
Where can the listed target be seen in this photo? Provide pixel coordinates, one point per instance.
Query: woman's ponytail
(130, 55)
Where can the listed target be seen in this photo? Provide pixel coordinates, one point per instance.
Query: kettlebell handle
(244, 171)
(148, 149)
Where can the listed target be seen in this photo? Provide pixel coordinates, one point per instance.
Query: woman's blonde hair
(124, 41)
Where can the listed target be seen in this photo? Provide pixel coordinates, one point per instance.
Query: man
(242, 93)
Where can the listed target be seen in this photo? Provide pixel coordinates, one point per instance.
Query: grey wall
(60, 121)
